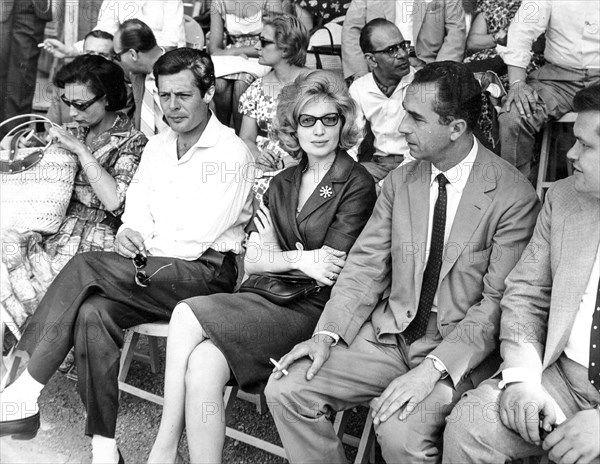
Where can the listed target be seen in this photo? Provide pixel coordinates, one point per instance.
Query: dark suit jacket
(384, 271)
(544, 291)
(438, 25)
(42, 8)
(333, 215)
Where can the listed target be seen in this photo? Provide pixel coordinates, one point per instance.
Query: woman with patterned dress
(108, 149)
(235, 27)
(315, 13)
(313, 213)
(489, 29)
(284, 42)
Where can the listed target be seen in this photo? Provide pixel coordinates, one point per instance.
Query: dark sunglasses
(118, 55)
(80, 106)
(330, 119)
(264, 42)
(141, 278)
(393, 50)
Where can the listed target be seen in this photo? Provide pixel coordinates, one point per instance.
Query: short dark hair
(291, 36)
(100, 76)
(137, 35)
(99, 35)
(587, 99)
(458, 92)
(367, 32)
(197, 61)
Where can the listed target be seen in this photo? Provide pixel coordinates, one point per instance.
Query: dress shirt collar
(459, 174)
(208, 138)
(404, 82)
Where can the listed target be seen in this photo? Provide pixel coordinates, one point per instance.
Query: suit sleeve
(475, 337)
(453, 47)
(526, 303)
(366, 274)
(353, 60)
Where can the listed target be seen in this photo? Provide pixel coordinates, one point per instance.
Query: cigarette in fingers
(278, 366)
(40, 45)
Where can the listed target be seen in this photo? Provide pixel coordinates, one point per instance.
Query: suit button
(409, 314)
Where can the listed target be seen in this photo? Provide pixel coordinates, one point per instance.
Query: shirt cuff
(518, 374)
(440, 363)
(336, 337)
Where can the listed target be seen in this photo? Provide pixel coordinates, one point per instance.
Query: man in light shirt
(379, 94)
(415, 310)
(183, 225)
(572, 55)
(550, 329)
(136, 49)
(436, 28)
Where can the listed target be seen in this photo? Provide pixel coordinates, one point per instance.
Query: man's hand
(316, 348)
(405, 392)
(129, 243)
(524, 97)
(522, 406)
(576, 440)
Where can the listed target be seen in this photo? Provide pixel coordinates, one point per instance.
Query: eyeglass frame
(139, 262)
(80, 106)
(117, 55)
(320, 118)
(404, 45)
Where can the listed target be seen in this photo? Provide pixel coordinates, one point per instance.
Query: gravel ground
(61, 438)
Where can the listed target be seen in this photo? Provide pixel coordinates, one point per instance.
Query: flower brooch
(326, 191)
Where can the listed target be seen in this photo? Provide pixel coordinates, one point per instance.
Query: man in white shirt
(416, 308)
(135, 47)
(572, 55)
(436, 28)
(184, 220)
(379, 94)
(548, 398)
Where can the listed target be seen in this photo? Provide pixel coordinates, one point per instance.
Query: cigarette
(40, 45)
(278, 366)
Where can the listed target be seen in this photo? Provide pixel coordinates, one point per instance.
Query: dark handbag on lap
(280, 289)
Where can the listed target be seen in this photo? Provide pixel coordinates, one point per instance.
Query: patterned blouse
(118, 150)
(324, 11)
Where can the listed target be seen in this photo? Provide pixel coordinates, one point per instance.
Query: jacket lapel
(420, 7)
(473, 204)
(326, 190)
(579, 246)
(418, 187)
(294, 177)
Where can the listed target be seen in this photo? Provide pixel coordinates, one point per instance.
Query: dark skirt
(248, 329)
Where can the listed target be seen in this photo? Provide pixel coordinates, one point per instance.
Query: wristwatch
(438, 366)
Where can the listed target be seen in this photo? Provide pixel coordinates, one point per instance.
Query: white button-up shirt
(184, 206)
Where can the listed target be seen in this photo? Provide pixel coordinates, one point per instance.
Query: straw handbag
(36, 183)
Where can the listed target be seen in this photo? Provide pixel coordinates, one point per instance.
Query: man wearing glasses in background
(184, 220)
(379, 95)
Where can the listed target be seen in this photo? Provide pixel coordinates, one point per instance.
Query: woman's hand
(66, 139)
(324, 265)
(265, 228)
(268, 160)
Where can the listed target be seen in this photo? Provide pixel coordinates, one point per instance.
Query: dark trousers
(19, 53)
(89, 304)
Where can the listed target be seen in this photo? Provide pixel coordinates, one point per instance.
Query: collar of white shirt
(208, 138)
(459, 174)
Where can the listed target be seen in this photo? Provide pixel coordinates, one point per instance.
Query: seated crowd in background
(397, 146)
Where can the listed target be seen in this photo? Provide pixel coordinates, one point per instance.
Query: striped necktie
(151, 121)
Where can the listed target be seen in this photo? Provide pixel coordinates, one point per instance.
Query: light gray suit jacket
(438, 25)
(544, 291)
(382, 277)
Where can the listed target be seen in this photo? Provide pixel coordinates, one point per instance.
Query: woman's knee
(207, 367)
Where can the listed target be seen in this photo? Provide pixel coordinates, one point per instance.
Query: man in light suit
(550, 329)
(22, 25)
(435, 27)
(415, 311)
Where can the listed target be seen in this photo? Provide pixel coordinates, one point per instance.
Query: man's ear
(457, 128)
(209, 94)
(371, 61)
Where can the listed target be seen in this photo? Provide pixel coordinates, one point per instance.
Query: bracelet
(515, 82)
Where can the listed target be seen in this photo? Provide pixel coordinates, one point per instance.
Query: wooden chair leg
(154, 354)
